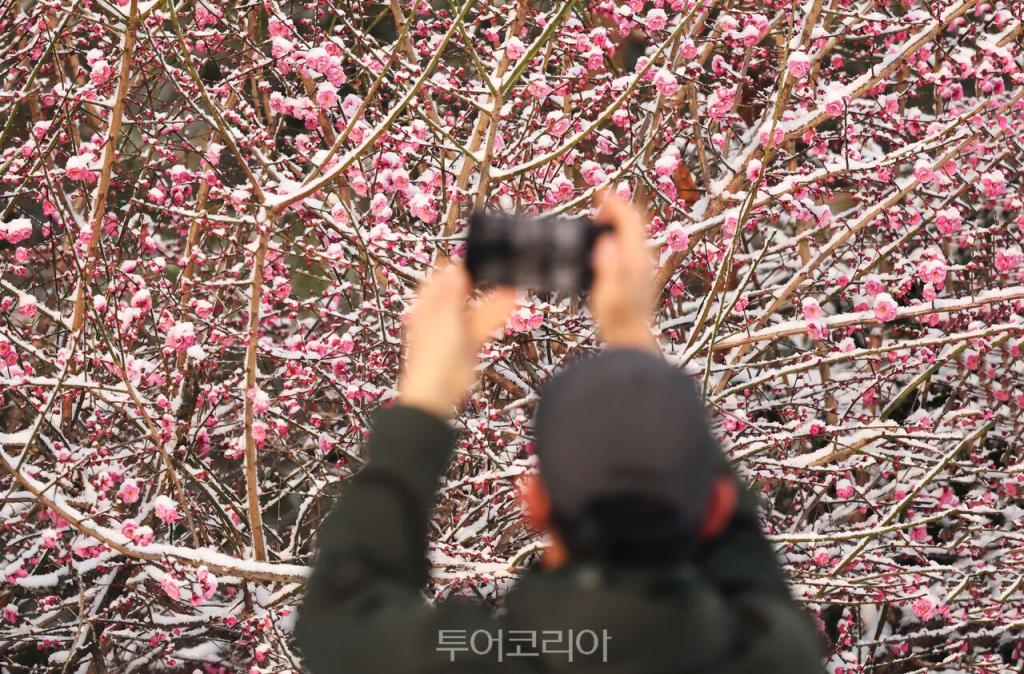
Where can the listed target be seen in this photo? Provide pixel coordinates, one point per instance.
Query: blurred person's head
(630, 473)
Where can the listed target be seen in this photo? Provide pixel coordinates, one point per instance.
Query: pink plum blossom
(799, 64)
(753, 170)
(380, 207)
(50, 538)
(948, 220)
(835, 107)
(424, 207)
(142, 536)
(561, 188)
(101, 72)
(80, 167)
(677, 239)
(203, 308)
(142, 300)
(181, 175)
(811, 309)
(666, 82)
(260, 400)
(885, 308)
(326, 95)
(667, 163)
(556, 123)
(514, 48)
(656, 19)
(129, 491)
(932, 270)
(923, 608)
(923, 171)
(873, 285)
(347, 343)
(207, 15)
(166, 509)
(41, 128)
(180, 336)
(526, 319)
(993, 183)
(770, 137)
(593, 173)
(171, 587)
(27, 306)
(15, 231)
(1009, 259)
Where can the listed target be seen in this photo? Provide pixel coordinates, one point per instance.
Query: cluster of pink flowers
(81, 167)
(180, 336)
(166, 509)
(1009, 259)
(15, 231)
(140, 535)
(525, 319)
(799, 65)
(885, 308)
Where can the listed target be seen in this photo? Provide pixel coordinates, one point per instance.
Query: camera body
(540, 253)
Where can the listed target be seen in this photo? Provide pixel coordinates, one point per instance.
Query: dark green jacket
(727, 611)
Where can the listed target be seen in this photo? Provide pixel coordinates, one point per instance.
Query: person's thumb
(606, 257)
(490, 313)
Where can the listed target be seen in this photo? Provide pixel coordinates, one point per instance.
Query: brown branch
(790, 328)
(912, 494)
(217, 562)
(486, 125)
(103, 186)
(252, 486)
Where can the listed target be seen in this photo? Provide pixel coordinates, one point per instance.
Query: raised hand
(444, 333)
(623, 295)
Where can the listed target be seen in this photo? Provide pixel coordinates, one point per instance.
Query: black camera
(540, 253)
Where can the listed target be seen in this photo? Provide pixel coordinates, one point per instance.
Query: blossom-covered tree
(214, 215)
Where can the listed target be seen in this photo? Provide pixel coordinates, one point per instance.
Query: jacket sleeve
(364, 610)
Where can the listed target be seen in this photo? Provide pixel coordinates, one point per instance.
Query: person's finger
(450, 282)
(490, 313)
(445, 288)
(625, 219)
(611, 272)
(605, 257)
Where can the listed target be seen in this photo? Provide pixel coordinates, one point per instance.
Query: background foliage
(213, 215)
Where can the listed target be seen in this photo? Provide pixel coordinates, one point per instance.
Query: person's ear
(720, 508)
(535, 502)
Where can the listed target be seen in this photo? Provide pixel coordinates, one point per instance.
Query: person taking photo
(656, 561)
